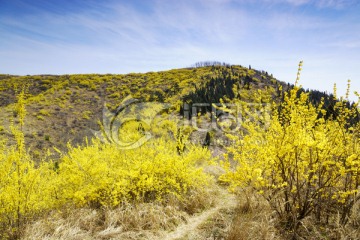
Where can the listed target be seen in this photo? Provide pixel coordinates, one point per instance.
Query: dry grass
(333, 229)
(216, 227)
(128, 221)
(253, 219)
(210, 224)
(141, 221)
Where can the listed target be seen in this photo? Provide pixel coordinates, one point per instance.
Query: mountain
(66, 108)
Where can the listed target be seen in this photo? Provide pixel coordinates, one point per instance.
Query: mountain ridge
(64, 108)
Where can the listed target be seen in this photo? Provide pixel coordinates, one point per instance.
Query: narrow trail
(226, 200)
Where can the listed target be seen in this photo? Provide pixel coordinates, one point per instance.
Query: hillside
(66, 108)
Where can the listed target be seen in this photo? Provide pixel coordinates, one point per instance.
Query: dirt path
(226, 200)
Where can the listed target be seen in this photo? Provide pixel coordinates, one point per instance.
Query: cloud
(334, 4)
(349, 44)
(298, 2)
(123, 36)
(337, 4)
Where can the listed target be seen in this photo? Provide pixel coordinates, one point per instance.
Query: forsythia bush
(97, 174)
(302, 163)
(24, 190)
(103, 174)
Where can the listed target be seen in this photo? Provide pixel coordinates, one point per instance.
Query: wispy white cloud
(335, 4)
(350, 44)
(297, 2)
(119, 38)
(338, 4)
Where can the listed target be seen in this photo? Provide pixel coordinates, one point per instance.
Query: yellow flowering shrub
(95, 175)
(103, 174)
(25, 190)
(302, 163)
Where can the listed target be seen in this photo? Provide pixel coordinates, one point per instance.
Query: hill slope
(65, 108)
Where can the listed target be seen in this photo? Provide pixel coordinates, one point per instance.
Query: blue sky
(78, 36)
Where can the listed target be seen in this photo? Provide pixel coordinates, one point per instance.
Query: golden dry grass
(205, 215)
(253, 219)
(128, 221)
(142, 221)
